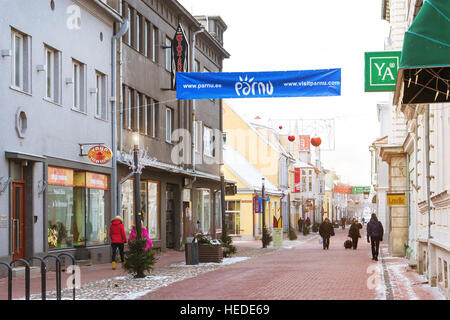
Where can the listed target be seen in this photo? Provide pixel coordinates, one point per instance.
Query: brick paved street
(303, 272)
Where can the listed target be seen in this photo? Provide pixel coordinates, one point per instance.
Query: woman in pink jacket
(144, 235)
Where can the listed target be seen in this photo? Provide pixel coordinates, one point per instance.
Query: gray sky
(284, 35)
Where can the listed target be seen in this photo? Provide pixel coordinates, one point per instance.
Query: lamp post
(137, 186)
(263, 210)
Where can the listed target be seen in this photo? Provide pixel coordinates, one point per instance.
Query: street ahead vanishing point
(223, 85)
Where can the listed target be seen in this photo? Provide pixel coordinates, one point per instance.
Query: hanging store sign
(343, 189)
(297, 180)
(179, 49)
(100, 154)
(396, 200)
(60, 177)
(223, 85)
(381, 70)
(257, 203)
(360, 190)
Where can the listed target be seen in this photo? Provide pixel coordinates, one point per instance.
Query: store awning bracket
(88, 144)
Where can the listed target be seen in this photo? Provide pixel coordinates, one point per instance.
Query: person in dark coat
(118, 239)
(343, 223)
(354, 233)
(375, 233)
(300, 224)
(308, 222)
(326, 230)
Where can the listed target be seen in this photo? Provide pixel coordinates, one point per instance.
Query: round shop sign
(100, 154)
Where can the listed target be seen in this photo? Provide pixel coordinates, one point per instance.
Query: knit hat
(118, 218)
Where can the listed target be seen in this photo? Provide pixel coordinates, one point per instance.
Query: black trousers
(114, 247)
(355, 242)
(375, 244)
(326, 242)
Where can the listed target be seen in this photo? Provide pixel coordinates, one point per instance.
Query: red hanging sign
(297, 180)
(100, 154)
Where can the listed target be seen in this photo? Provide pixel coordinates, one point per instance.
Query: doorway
(18, 220)
(170, 215)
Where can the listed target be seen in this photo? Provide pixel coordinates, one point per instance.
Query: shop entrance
(170, 215)
(18, 220)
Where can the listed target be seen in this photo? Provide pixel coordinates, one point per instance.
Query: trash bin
(191, 251)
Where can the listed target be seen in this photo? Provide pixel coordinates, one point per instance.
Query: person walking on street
(118, 240)
(375, 233)
(354, 233)
(300, 224)
(326, 230)
(343, 223)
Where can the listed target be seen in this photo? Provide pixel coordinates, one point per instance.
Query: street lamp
(137, 186)
(263, 211)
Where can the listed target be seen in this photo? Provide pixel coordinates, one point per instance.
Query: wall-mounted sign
(396, 200)
(96, 181)
(360, 190)
(60, 176)
(381, 70)
(100, 154)
(305, 143)
(343, 189)
(225, 85)
(179, 49)
(297, 180)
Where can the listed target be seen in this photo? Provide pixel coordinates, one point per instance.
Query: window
(155, 108)
(224, 138)
(150, 194)
(146, 29)
(21, 64)
(168, 55)
(204, 210)
(50, 74)
(169, 125)
(100, 101)
(233, 216)
(218, 211)
(138, 32)
(155, 39)
(78, 86)
(208, 142)
(77, 208)
(129, 30)
(129, 108)
(196, 66)
(195, 129)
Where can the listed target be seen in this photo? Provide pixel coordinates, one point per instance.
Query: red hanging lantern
(291, 138)
(316, 141)
(356, 202)
(281, 127)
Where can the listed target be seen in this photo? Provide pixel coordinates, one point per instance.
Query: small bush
(305, 230)
(138, 261)
(266, 237)
(292, 234)
(227, 241)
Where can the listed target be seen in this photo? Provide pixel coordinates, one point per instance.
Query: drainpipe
(123, 29)
(427, 166)
(193, 101)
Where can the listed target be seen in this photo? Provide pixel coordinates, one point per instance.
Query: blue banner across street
(272, 84)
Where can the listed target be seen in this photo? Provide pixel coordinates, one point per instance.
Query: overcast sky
(267, 35)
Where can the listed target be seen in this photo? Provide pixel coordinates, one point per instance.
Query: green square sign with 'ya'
(381, 70)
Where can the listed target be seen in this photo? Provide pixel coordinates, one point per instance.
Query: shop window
(203, 211)
(77, 208)
(233, 217)
(218, 211)
(149, 206)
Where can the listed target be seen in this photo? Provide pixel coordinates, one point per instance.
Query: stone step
(83, 263)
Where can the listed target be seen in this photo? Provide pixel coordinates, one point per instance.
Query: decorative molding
(441, 200)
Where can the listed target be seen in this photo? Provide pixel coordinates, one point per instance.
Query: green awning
(424, 70)
(427, 41)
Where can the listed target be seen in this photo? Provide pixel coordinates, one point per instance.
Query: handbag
(320, 240)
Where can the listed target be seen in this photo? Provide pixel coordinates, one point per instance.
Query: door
(186, 220)
(170, 210)
(18, 220)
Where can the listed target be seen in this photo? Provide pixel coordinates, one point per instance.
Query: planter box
(208, 253)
